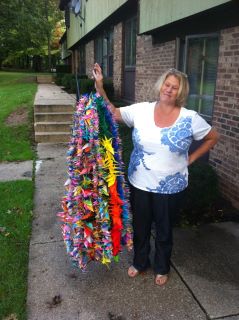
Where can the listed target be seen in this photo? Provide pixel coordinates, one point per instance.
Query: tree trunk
(48, 37)
(49, 53)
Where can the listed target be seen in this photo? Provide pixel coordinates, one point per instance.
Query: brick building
(135, 41)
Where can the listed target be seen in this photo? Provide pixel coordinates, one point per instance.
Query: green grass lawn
(16, 205)
(17, 92)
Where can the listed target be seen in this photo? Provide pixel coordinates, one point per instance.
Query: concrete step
(49, 137)
(53, 126)
(45, 78)
(52, 117)
(47, 108)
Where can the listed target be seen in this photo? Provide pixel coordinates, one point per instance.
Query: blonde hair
(183, 85)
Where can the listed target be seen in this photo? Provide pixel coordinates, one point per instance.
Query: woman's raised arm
(98, 77)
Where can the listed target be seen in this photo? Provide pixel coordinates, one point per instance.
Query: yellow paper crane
(105, 260)
(109, 162)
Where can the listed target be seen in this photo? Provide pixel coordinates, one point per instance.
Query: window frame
(184, 61)
(103, 50)
(132, 23)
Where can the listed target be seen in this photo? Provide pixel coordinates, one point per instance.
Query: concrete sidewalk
(18, 170)
(204, 282)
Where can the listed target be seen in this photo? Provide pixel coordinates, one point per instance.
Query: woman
(158, 170)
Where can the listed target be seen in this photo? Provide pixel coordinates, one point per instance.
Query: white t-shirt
(159, 160)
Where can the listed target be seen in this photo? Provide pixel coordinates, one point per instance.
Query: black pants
(163, 209)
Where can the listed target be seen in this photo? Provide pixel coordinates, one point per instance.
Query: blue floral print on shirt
(137, 155)
(178, 137)
(172, 184)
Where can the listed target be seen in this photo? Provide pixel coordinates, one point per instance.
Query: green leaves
(26, 24)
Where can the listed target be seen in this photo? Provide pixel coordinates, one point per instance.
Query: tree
(26, 28)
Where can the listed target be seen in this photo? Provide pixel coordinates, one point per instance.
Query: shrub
(67, 81)
(201, 194)
(58, 78)
(109, 88)
(82, 76)
(87, 86)
(126, 138)
(63, 68)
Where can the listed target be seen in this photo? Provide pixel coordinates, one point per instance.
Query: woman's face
(169, 90)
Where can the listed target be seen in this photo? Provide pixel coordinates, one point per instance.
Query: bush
(58, 78)
(86, 86)
(82, 76)
(127, 143)
(109, 88)
(201, 194)
(63, 68)
(67, 81)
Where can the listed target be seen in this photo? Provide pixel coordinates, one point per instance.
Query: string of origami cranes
(95, 217)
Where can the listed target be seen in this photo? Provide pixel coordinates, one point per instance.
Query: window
(201, 55)
(104, 52)
(99, 50)
(130, 42)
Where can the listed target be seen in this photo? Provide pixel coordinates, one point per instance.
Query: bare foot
(161, 279)
(132, 272)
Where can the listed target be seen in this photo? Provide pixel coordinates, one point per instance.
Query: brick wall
(118, 60)
(225, 156)
(89, 58)
(151, 61)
